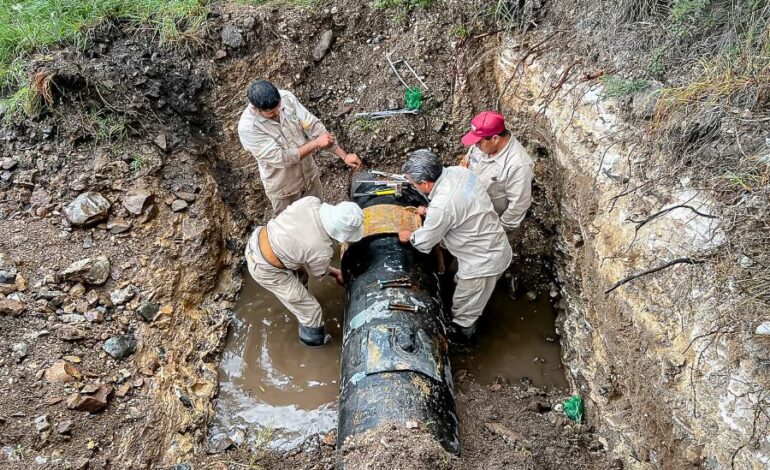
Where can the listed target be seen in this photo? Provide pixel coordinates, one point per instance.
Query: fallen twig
(641, 223)
(650, 271)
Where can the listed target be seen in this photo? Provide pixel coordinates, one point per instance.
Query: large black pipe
(395, 364)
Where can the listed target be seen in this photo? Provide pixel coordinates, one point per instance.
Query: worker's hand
(404, 236)
(325, 140)
(336, 273)
(464, 162)
(352, 160)
(422, 210)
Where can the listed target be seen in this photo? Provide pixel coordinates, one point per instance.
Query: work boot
(312, 336)
(460, 336)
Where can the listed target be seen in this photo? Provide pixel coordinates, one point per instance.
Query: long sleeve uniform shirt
(507, 177)
(298, 238)
(461, 215)
(275, 145)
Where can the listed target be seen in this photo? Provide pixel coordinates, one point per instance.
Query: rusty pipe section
(395, 362)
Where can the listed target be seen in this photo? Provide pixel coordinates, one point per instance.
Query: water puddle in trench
(271, 385)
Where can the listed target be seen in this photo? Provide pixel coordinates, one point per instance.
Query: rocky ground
(124, 207)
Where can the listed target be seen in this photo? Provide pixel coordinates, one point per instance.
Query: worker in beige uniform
(502, 165)
(459, 214)
(282, 135)
(299, 241)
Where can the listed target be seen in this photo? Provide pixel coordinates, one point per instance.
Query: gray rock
(149, 311)
(238, 436)
(323, 46)
(7, 277)
(70, 333)
(531, 296)
(8, 163)
(745, 262)
(135, 200)
(763, 329)
(6, 175)
(41, 460)
(179, 205)
(219, 443)
(11, 454)
(160, 141)
(72, 318)
(87, 209)
(94, 271)
(185, 196)
(64, 427)
(232, 37)
(42, 423)
(117, 225)
(121, 296)
(248, 23)
(20, 350)
(120, 346)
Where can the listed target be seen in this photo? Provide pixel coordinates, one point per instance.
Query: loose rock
(91, 403)
(136, 200)
(149, 311)
(178, 205)
(11, 307)
(20, 350)
(117, 225)
(121, 296)
(42, 423)
(87, 209)
(64, 427)
(93, 271)
(120, 346)
(70, 333)
(323, 46)
(62, 372)
(232, 37)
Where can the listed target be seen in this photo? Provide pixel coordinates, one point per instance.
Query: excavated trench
(221, 373)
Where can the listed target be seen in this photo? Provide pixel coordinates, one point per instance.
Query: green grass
(407, 5)
(108, 127)
(27, 26)
(615, 86)
(364, 125)
(460, 31)
(138, 162)
(24, 102)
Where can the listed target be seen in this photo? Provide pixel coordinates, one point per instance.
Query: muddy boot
(462, 337)
(312, 336)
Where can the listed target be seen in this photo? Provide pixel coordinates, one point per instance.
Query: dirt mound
(395, 447)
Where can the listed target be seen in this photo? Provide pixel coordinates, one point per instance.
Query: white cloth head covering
(343, 222)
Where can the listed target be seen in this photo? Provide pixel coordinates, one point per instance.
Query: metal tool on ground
(400, 282)
(385, 114)
(392, 176)
(392, 63)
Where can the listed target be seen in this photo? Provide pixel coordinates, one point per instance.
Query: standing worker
(461, 216)
(503, 166)
(297, 242)
(282, 135)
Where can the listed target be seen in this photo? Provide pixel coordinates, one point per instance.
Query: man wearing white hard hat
(297, 242)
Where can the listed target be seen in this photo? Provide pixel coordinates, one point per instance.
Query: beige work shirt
(299, 239)
(461, 215)
(275, 145)
(507, 176)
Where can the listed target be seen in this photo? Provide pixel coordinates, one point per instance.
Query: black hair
(263, 95)
(422, 165)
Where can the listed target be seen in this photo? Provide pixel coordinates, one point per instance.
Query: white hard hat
(343, 222)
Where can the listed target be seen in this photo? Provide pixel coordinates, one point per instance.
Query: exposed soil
(176, 112)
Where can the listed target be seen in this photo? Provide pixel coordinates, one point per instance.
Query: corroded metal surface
(395, 364)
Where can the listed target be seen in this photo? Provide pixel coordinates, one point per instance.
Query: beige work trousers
(290, 287)
(470, 298)
(281, 203)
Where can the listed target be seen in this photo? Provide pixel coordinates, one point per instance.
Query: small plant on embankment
(35, 26)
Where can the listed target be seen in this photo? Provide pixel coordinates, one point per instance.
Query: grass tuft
(32, 25)
(615, 86)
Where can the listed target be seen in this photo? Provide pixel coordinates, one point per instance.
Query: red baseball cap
(486, 124)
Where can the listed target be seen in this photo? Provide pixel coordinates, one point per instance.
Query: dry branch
(650, 271)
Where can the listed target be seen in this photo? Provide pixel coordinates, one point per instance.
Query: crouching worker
(461, 215)
(297, 242)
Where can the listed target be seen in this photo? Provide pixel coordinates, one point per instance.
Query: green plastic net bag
(413, 98)
(573, 408)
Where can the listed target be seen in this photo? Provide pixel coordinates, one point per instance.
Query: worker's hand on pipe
(422, 210)
(336, 273)
(404, 236)
(325, 140)
(352, 160)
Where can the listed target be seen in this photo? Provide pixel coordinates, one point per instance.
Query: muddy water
(516, 339)
(273, 386)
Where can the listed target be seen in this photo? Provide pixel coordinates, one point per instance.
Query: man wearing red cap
(502, 165)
